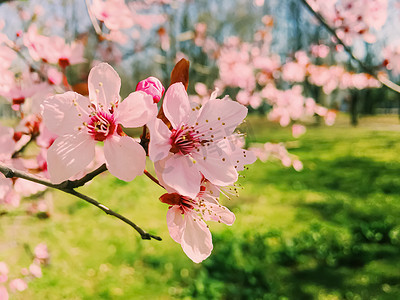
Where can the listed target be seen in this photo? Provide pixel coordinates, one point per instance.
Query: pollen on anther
(100, 84)
(97, 91)
(219, 118)
(223, 123)
(223, 159)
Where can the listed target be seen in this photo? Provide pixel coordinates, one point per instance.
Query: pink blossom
(65, 54)
(153, 87)
(35, 270)
(293, 72)
(353, 18)
(27, 188)
(42, 253)
(270, 151)
(18, 285)
(7, 56)
(192, 147)
(297, 165)
(54, 76)
(3, 272)
(7, 143)
(320, 50)
(53, 49)
(298, 130)
(81, 123)
(391, 53)
(117, 36)
(330, 118)
(246, 98)
(186, 221)
(114, 13)
(3, 293)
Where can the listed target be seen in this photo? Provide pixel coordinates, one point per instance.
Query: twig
(143, 234)
(22, 149)
(384, 80)
(31, 65)
(11, 173)
(71, 184)
(93, 19)
(152, 178)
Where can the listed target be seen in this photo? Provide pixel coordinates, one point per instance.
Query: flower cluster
(194, 148)
(353, 18)
(41, 258)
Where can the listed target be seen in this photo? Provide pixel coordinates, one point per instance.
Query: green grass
(331, 231)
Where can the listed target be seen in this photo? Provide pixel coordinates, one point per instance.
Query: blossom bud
(153, 87)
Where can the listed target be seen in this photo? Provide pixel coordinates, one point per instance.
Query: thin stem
(152, 178)
(382, 79)
(10, 173)
(93, 19)
(22, 149)
(143, 234)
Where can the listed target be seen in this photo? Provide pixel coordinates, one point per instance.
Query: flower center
(19, 100)
(63, 62)
(179, 200)
(101, 125)
(184, 140)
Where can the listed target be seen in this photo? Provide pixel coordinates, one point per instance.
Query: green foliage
(331, 231)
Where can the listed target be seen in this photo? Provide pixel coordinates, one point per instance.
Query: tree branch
(22, 149)
(372, 71)
(10, 173)
(71, 184)
(152, 178)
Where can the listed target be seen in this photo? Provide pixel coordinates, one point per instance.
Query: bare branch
(10, 173)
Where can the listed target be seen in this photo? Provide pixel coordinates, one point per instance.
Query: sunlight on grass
(329, 231)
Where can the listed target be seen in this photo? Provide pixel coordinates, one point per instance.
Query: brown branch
(152, 178)
(22, 149)
(11, 173)
(372, 71)
(71, 184)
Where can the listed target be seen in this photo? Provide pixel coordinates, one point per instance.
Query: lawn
(331, 231)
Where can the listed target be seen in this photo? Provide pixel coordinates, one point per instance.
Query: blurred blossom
(35, 270)
(18, 285)
(258, 2)
(3, 293)
(297, 165)
(3, 272)
(320, 50)
(298, 130)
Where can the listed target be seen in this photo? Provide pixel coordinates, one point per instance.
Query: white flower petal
(125, 158)
(68, 155)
